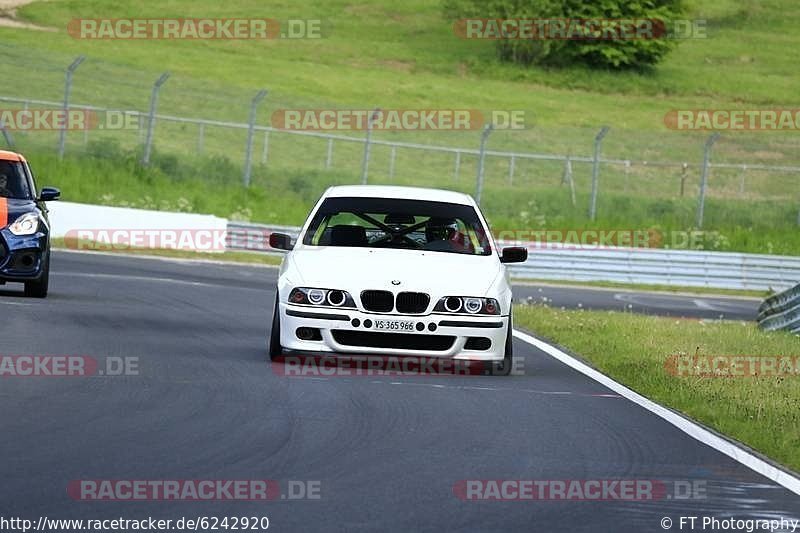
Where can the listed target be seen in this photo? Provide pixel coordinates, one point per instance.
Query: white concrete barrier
(138, 227)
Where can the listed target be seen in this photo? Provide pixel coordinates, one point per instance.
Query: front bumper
(22, 258)
(340, 335)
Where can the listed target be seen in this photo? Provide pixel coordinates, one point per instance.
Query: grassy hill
(405, 52)
(404, 55)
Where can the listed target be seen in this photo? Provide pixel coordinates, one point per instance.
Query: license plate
(393, 325)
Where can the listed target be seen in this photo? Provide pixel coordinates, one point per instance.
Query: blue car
(25, 233)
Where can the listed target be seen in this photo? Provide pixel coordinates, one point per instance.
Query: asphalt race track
(385, 452)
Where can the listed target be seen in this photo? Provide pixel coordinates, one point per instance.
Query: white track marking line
(179, 260)
(14, 303)
(137, 278)
(490, 389)
(738, 454)
(158, 280)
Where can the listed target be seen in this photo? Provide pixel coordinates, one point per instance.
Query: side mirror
(281, 241)
(49, 194)
(514, 254)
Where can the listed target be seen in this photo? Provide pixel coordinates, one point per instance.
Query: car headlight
(472, 305)
(26, 224)
(467, 305)
(321, 297)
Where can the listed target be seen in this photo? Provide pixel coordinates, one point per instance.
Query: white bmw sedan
(394, 271)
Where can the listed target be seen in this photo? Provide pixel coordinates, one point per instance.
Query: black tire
(38, 288)
(275, 348)
(504, 368)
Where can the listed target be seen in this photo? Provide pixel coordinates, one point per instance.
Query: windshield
(13, 183)
(398, 223)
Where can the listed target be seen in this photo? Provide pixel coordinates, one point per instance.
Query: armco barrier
(781, 311)
(719, 270)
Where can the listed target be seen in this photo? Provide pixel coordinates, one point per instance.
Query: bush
(104, 149)
(609, 54)
(166, 163)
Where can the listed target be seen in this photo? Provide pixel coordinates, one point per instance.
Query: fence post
(684, 175)
(567, 178)
(741, 180)
(479, 185)
(572, 189)
(365, 161)
(151, 120)
(201, 133)
(25, 105)
(62, 134)
(627, 167)
(392, 157)
(329, 158)
(265, 149)
(458, 165)
(7, 134)
(140, 129)
(251, 125)
(567, 175)
(701, 202)
(596, 171)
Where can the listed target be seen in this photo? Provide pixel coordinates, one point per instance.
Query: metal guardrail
(781, 311)
(685, 268)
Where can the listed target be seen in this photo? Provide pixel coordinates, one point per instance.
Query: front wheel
(38, 288)
(275, 349)
(504, 368)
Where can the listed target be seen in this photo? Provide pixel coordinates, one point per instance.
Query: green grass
(404, 55)
(760, 412)
(668, 289)
(397, 49)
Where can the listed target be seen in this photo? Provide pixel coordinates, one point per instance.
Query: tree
(577, 31)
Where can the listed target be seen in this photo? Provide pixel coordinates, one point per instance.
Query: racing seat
(346, 235)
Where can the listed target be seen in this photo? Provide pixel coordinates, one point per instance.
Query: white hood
(357, 269)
